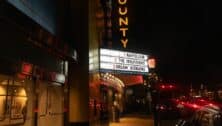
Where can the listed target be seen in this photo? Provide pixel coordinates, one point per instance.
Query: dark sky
(184, 36)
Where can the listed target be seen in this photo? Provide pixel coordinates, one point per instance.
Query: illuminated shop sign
(123, 61)
(152, 63)
(55, 77)
(123, 21)
(27, 68)
(93, 60)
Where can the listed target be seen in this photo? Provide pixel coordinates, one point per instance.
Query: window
(13, 99)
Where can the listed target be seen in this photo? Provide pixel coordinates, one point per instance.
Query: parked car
(166, 107)
(208, 115)
(188, 105)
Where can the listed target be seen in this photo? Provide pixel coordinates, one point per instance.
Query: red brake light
(201, 100)
(195, 106)
(166, 86)
(162, 86)
(211, 104)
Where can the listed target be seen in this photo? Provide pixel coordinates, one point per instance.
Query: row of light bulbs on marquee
(111, 78)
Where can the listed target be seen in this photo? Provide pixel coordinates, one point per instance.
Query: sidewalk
(134, 121)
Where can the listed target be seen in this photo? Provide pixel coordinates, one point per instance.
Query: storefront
(33, 72)
(106, 93)
(31, 82)
(50, 103)
(16, 101)
(32, 99)
(117, 70)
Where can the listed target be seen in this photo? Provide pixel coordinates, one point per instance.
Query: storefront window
(18, 102)
(2, 101)
(13, 99)
(3, 94)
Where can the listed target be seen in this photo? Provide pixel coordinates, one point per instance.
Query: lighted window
(12, 94)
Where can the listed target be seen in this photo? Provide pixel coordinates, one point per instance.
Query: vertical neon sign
(123, 21)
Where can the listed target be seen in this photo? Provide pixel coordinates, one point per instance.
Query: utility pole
(152, 82)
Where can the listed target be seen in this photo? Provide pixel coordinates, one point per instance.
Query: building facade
(46, 75)
(34, 65)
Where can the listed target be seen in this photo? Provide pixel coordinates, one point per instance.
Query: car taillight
(202, 100)
(211, 104)
(195, 106)
(162, 107)
(163, 86)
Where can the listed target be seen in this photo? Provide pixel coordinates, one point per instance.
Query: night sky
(184, 36)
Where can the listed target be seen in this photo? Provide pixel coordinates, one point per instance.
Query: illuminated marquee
(123, 61)
(123, 21)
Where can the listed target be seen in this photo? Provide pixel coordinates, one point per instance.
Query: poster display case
(13, 101)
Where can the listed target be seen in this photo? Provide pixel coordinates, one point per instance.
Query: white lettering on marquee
(123, 61)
